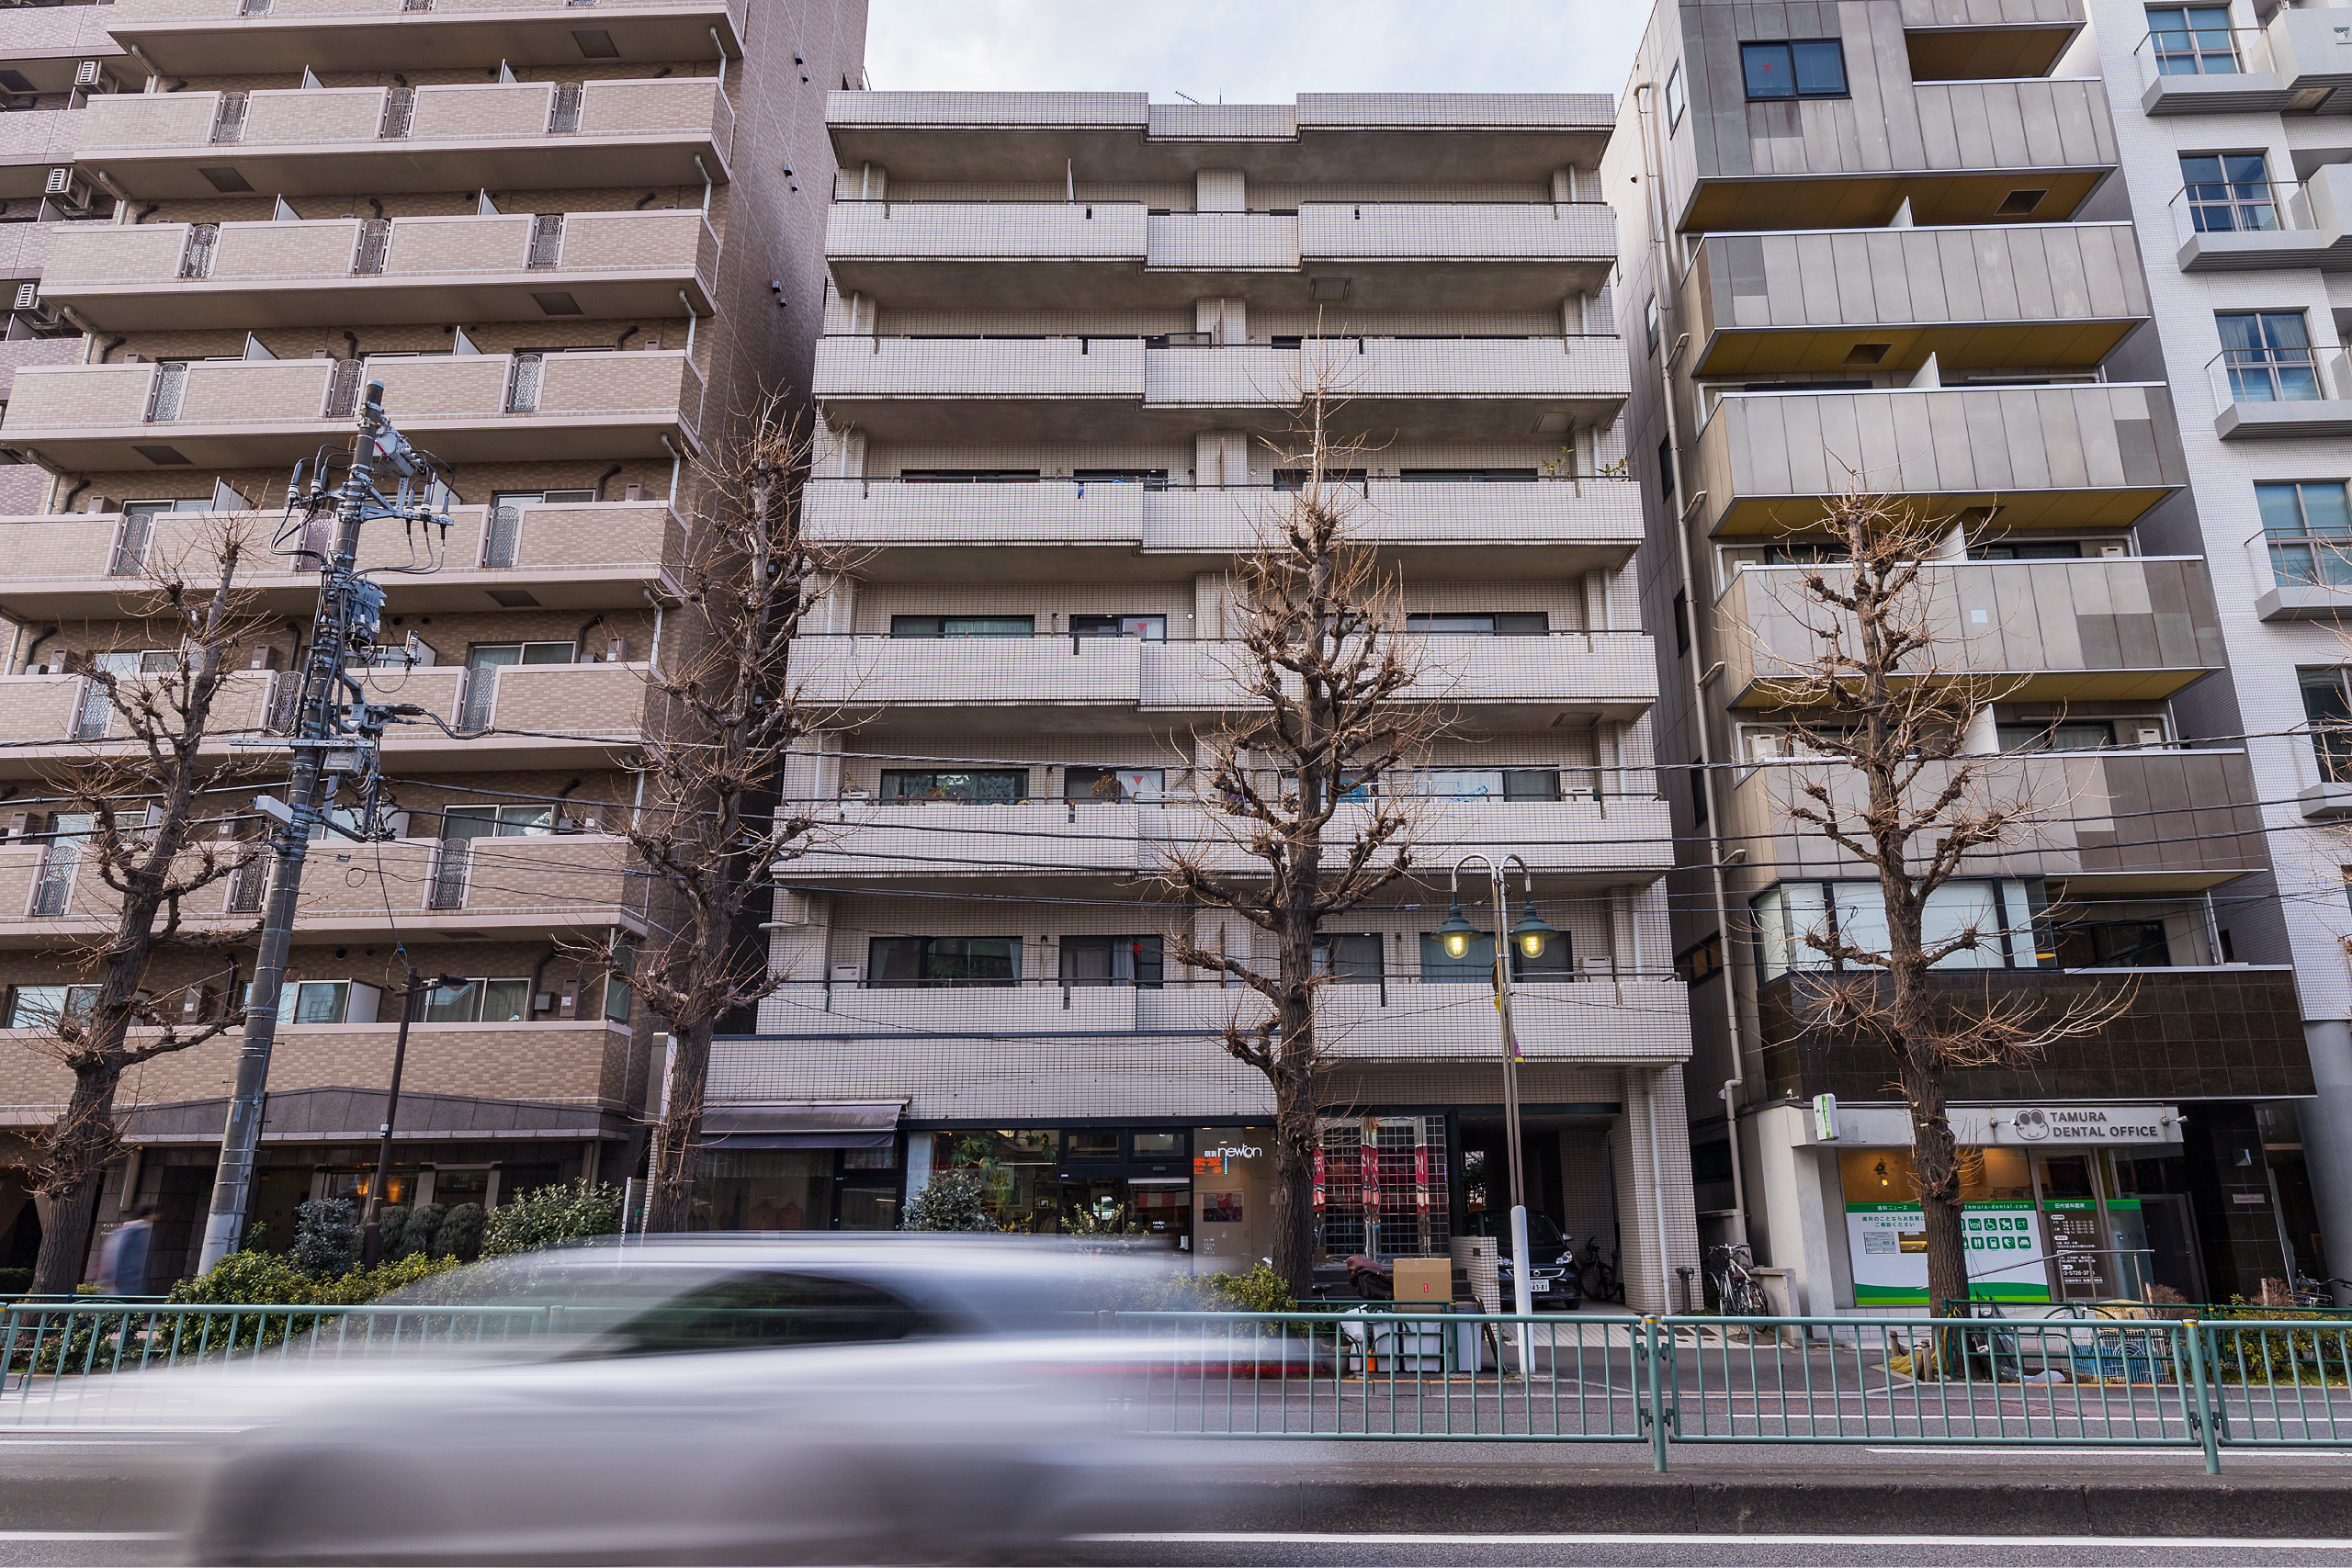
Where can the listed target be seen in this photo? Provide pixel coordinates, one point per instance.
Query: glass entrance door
(2098, 1234)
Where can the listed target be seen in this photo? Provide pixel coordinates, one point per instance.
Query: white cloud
(1265, 51)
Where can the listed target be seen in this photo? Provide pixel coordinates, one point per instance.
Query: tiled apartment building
(2230, 134)
(1904, 245)
(1062, 335)
(574, 239)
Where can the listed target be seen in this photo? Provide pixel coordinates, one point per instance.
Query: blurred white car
(756, 1400)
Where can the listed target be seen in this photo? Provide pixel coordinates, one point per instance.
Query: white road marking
(2088, 1452)
(87, 1535)
(2120, 1544)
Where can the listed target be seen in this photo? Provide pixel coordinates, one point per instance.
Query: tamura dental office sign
(2085, 1124)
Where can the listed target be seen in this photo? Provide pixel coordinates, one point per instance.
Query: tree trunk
(1935, 1168)
(84, 1141)
(1296, 1133)
(677, 1138)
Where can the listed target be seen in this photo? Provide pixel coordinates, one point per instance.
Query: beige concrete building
(1061, 333)
(573, 241)
(1886, 243)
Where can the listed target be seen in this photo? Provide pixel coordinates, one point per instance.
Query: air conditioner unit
(28, 296)
(2151, 735)
(74, 196)
(196, 1004)
(92, 75)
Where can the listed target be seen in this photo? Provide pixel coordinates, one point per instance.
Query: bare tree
(144, 791)
(1296, 780)
(1889, 698)
(711, 823)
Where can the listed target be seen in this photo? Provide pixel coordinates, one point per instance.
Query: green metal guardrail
(1397, 1374)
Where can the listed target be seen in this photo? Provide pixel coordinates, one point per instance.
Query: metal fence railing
(1399, 1374)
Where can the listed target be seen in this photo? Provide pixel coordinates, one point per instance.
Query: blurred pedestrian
(122, 1262)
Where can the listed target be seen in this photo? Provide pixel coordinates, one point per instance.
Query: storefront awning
(803, 1124)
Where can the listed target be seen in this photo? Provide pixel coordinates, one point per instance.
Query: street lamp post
(372, 1236)
(1530, 936)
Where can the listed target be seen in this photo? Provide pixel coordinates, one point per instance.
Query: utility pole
(344, 628)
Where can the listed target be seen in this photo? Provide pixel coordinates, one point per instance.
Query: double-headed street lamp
(1530, 936)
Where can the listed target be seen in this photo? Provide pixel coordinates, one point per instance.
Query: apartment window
(2003, 913)
(2330, 714)
(619, 995)
(321, 1001)
(1083, 784)
(2059, 735)
(963, 626)
(1350, 957)
(1701, 961)
(1112, 961)
(497, 821)
(1292, 480)
(2014, 550)
(1507, 622)
(1802, 68)
(1682, 622)
(2309, 526)
(1666, 471)
(1486, 783)
(1468, 476)
(1476, 965)
(2113, 944)
(1150, 479)
(2192, 41)
(2269, 357)
(978, 786)
(1699, 795)
(893, 961)
(479, 1000)
(1151, 629)
(968, 476)
(1674, 98)
(40, 1007)
(498, 654)
(1650, 324)
(2227, 192)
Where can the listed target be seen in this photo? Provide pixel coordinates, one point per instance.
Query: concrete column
(837, 614)
(1657, 1216)
(1226, 321)
(2326, 1120)
(1210, 591)
(1799, 1229)
(1220, 457)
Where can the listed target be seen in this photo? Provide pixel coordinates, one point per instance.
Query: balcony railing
(2281, 391)
(215, 38)
(2169, 53)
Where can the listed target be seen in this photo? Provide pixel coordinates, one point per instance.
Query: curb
(1570, 1501)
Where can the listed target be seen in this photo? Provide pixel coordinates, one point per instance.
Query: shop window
(1801, 68)
(1090, 1144)
(1159, 1145)
(970, 786)
(902, 960)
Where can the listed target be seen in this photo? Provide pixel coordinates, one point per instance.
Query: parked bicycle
(2310, 1292)
(1596, 1276)
(1738, 1293)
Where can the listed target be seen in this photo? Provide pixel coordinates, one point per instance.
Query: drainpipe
(605, 477)
(35, 648)
(692, 321)
(705, 183)
(1735, 1086)
(67, 505)
(678, 459)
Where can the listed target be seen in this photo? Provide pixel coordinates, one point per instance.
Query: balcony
(2231, 1032)
(1949, 39)
(2251, 225)
(44, 44)
(2281, 393)
(1011, 531)
(569, 1063)
(33, 142)
(1076, 388)
(2113, 629)
(1961, 152)
(1059, 256)
(1587, 839)
(368, 272)
(50, 720)
(2080, 456)
(16, 354)
(237, 38)
(509, 888)
(2106, 824)
(2038, 296)
(2295, 62)
(333, 140)
(1359, 137)
(1597, 1019)
(2308, 575)
(586, 556)
(979, 685)
(525, 716)
(229, 413)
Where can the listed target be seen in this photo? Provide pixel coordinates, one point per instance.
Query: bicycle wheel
(1593, 1279)
(1750, 1300)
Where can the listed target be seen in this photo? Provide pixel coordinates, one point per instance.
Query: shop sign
(1217, 1160)
(1888, 1243)
(2085, 1124)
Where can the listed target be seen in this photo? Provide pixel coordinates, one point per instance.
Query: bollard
(2207, 1421)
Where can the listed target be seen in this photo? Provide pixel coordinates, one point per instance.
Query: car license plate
(1537, 1287)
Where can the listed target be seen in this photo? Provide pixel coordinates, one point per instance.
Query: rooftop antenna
(1186, 97)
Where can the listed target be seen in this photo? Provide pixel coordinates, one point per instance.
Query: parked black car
(1551, 1264)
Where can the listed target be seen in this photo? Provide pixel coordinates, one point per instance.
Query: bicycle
(1596, 1276)
(2318, 1293)
(1738, 1293)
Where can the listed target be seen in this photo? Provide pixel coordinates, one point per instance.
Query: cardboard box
(1425, 1279)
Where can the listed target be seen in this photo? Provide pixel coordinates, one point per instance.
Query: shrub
(262, 1279)
(416, 1236)
(460, 1233)
(392, 1221)
(326, 1239)
(552, 1215)
(16, 1281)
(1260, 1290)
(953, 1200)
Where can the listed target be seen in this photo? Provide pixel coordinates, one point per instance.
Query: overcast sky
(1262, 52)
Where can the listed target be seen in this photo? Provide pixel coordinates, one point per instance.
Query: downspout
(676, 460)
(605, 478)
(705, 183)
(67, 505)
(723, 61)
(1733, 1091)
(35, 648)
(692, 321)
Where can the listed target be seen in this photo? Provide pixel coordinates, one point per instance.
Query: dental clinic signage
(1888, 1243)
(2078, 1124)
